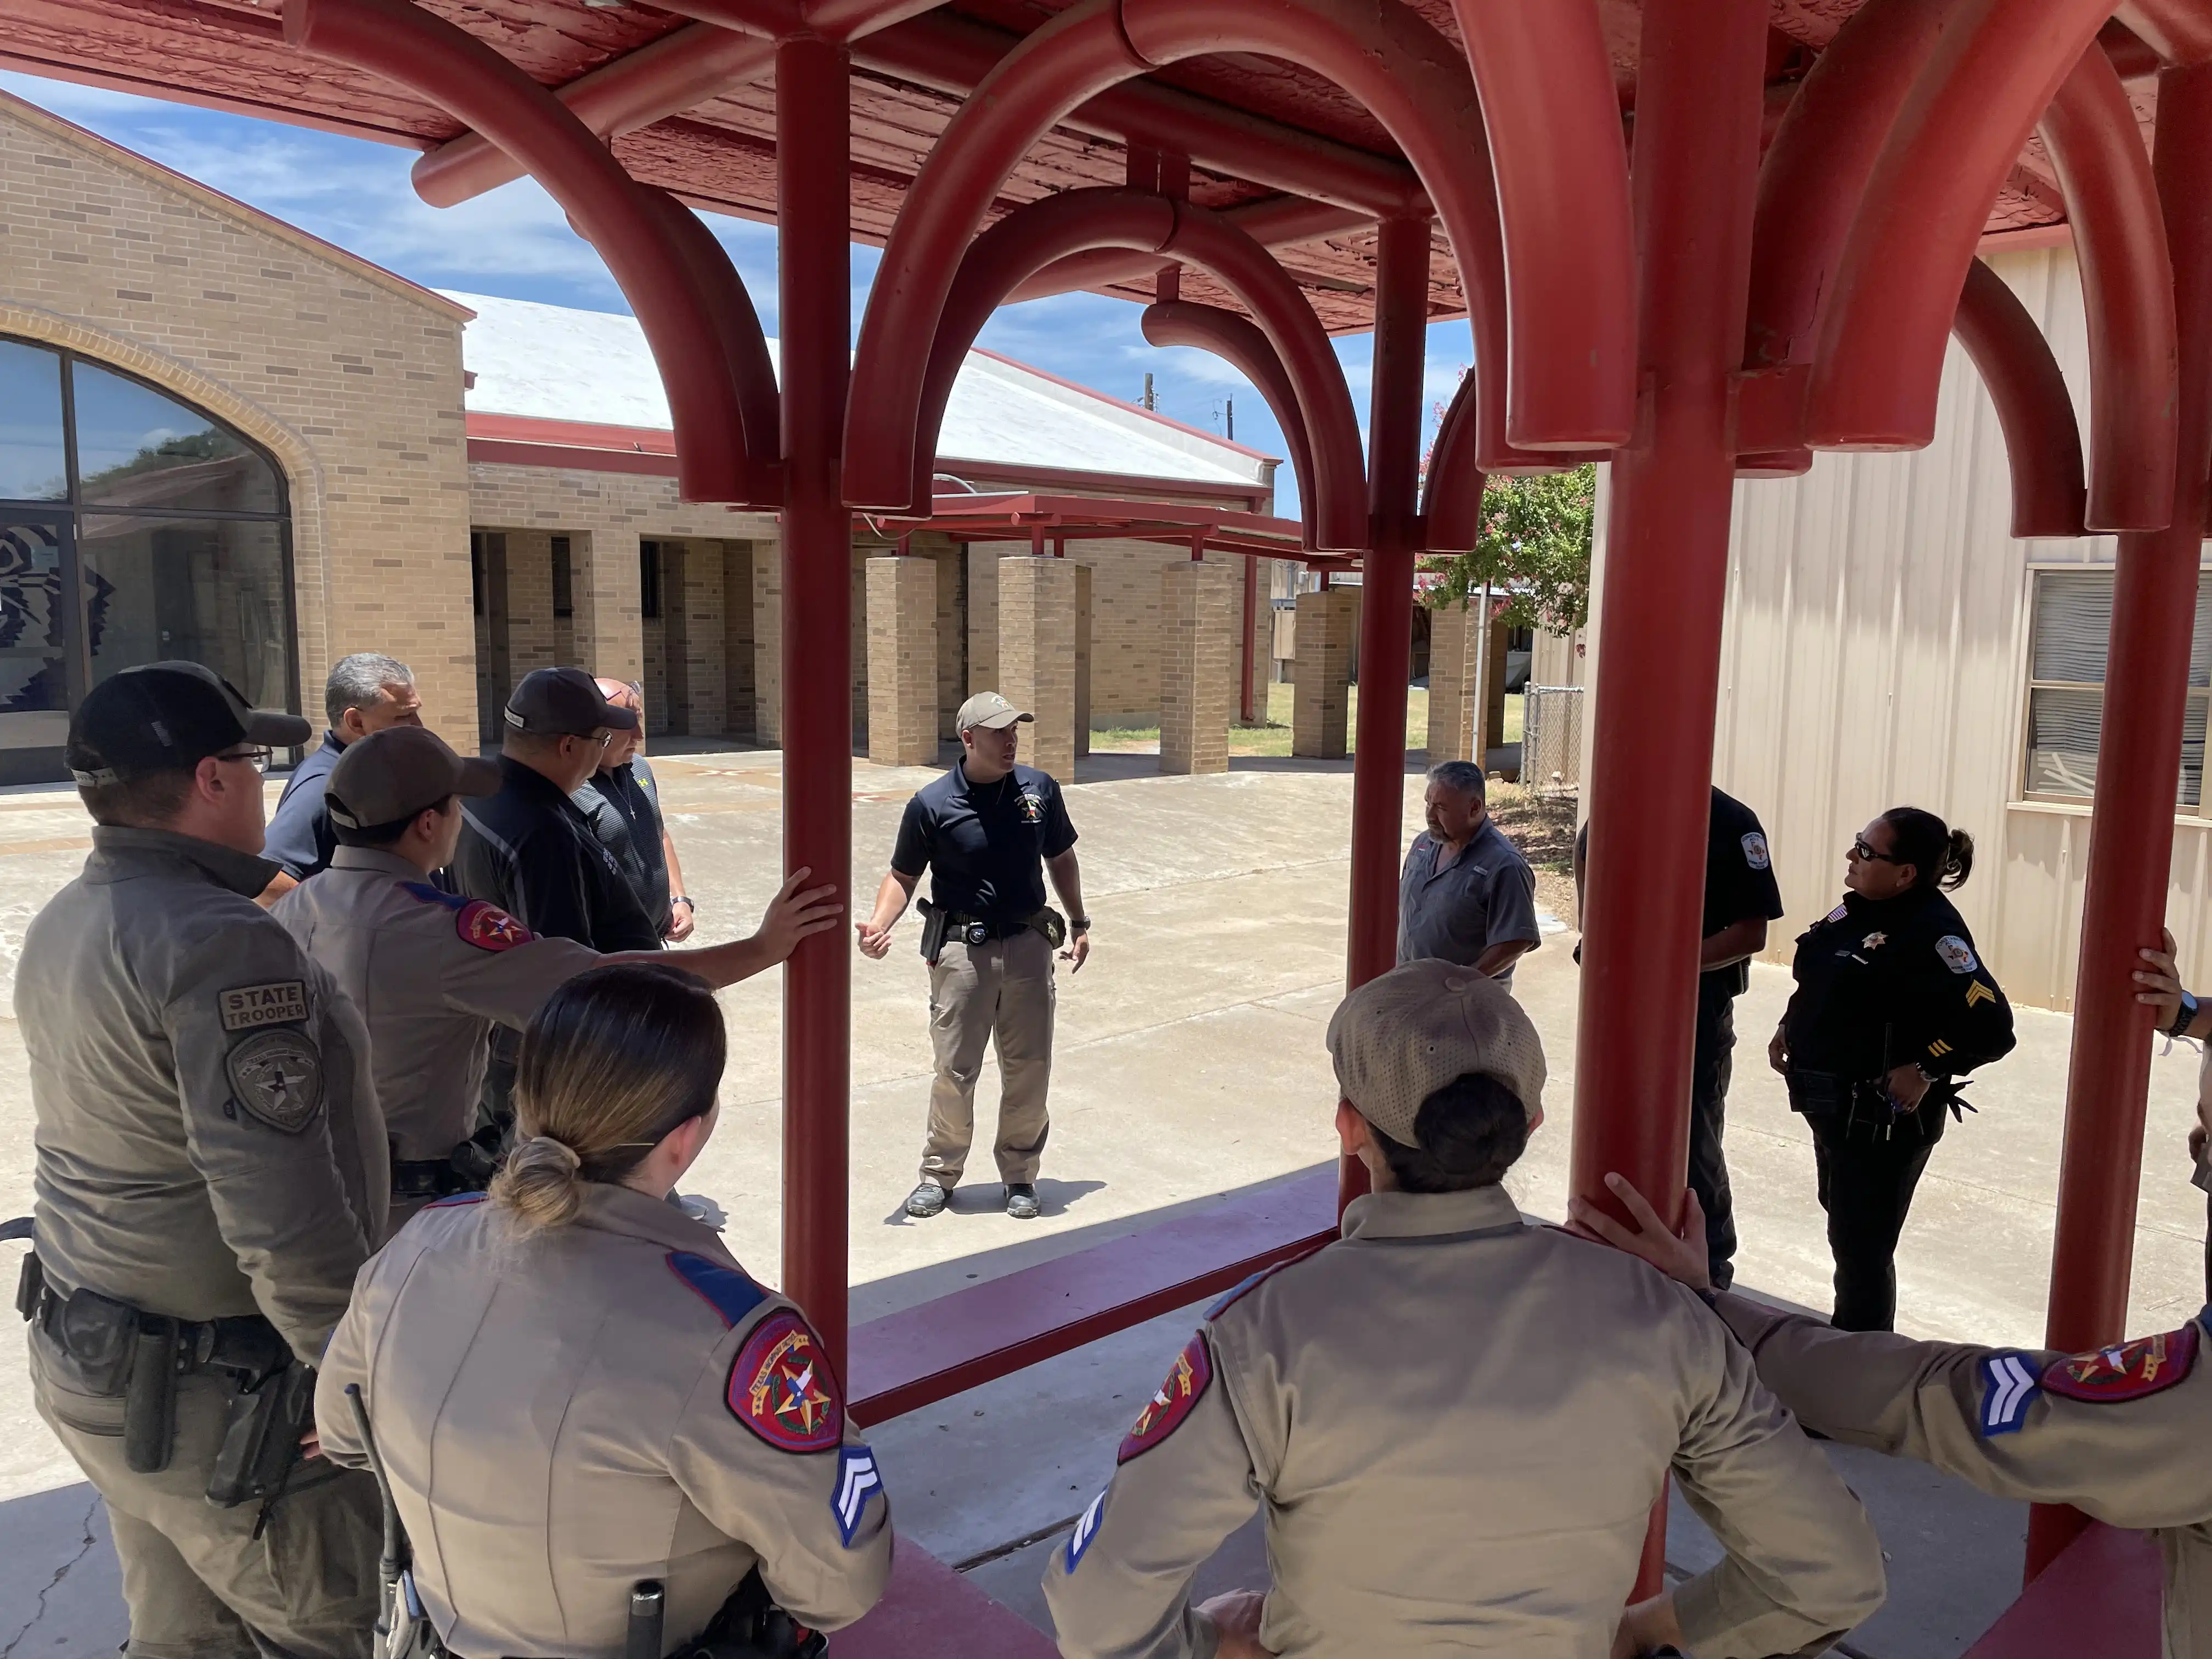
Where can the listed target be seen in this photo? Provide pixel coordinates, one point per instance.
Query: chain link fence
(1552, 740)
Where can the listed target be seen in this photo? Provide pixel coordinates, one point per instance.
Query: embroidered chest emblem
(2126, 1370)
(1032, 807)
(781, 1389)
(1172, 1403)
(1873, 941)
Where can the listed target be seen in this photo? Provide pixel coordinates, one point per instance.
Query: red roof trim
(2030, 236)
(1131, 409)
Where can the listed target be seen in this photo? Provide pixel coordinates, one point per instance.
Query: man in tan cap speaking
(432, 972)
(987, 831)
(1456, 1424)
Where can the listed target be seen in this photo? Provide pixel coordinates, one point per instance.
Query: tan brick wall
(1085, 580)
(349, 377)
(1197, 641)
(1322, 673)
(1452, 636)
(902, 660)
(1037, 656)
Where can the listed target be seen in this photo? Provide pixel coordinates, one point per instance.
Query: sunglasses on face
(1861, 850)
(257, 758)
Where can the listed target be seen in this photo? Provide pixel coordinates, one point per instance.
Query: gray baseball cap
(988, 708)
(1403, 1035)
(564, 702)
(390, 775)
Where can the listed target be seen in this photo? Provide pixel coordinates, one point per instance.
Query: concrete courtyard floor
(1190, 1062)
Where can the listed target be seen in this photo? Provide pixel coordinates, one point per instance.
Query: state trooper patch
(487, 928)
(1086, 1528)
(249, 1007)
(2008, 1388)
(1754, 851)
(857, 1480)
(1165, 1411)
(277, 1075)
(781, 1389)
(2125, 1372)
(1957, 955)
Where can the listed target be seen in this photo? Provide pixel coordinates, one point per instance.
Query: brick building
(224, 439)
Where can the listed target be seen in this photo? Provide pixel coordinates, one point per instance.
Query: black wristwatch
(678, 898)
(2185, 1019)
(1079, 924)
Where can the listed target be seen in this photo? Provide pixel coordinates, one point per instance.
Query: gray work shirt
(431, 972)
(1486, 896)
(209, 1144)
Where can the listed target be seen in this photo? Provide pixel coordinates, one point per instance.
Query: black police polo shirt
(984, 844)
(1739, 878)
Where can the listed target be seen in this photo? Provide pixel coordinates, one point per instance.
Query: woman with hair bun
(1892, 1005)
(575, 1387)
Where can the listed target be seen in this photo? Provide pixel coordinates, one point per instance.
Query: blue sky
(515, 243)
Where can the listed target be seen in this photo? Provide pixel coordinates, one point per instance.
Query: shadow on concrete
(61, 1588)
(988, 1197)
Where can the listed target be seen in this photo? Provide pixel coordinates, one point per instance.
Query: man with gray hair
(1466, 895)
(365, 693)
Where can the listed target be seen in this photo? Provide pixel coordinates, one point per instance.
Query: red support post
(2131, 823)
(813, 178)
(1385, 608)
(1698, 111)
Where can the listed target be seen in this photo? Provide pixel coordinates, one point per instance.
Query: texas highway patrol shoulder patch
(1165, 1411)
(277, 1077)
(2127, 1371)
(487, 928)
(2008, 1388)
(781, 1389)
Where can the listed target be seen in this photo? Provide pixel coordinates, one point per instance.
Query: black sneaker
(1021, 1201)
(925, 1200)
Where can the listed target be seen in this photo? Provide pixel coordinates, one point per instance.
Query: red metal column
(2131, 825)
(1386, 608)
(1698, 106)
(813, 153)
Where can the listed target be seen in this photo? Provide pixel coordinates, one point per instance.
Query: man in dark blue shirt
(366, 692)
(987, 831)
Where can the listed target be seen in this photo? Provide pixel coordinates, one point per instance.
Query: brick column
(1452, 635)
(738, 666)
(1036, 655)
(982, 562)
(949, 561)
(1321, 672)
(1197, 604)
(610, 634)
(705, 671)
(1081, 658)
(768, 642)
(902, 660)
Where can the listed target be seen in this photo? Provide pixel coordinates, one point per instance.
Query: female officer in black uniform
(1892, 1004)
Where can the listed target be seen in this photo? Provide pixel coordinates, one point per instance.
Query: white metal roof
(552, 364)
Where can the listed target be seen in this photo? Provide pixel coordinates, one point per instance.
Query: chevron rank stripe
(2009, 1387)
(1086, 1528)
(857, 1480)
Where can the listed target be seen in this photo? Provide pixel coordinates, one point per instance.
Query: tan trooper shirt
(208, 1141)
(2120, 1434)
(431, 973)
(1455, 1425)
(565, 1414)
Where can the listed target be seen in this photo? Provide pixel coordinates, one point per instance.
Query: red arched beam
(2127, 287)
(468, 79)
(1451, 498)
(1070, 221)
(1879, 354)
(2042, 440)
(737, 326)
(1552, 116)
(1240, 342)
(1815, 172)
(2179, 31)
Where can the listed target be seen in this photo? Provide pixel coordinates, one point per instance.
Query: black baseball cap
(164, 717)
(564, 702)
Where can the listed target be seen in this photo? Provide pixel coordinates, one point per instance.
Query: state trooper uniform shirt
(2117, 1432)
(529, 851)
(209, 1141)
(1455, 1425)
(983, 844)
(431, 972)
(566, 1412)
(1738, 882)
(1890, 982)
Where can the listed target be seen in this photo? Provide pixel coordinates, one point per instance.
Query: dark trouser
(1866, 1188)
(2208, 1248)
(1710, 1069)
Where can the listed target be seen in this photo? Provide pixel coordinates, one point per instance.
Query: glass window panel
(2073, 624)
(2062, 741)
(32, 465)
(2200, 642)
(208, 591)
(137, 448)
(2192, 789)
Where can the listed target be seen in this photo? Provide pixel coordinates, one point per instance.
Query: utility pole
(1229, 405)
(1149, 403)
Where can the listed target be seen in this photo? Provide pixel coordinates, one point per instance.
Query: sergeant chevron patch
(2008, 1388)
(1086, 1528)
(857, 1481)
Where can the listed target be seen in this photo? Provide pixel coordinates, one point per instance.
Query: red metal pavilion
(1776, 273)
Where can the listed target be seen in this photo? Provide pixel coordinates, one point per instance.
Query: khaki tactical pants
(978, 993)
(198, 1584)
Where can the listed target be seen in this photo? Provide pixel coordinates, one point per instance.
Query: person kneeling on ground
(1456, 1424)
(2119, 1433)
(573, 1387)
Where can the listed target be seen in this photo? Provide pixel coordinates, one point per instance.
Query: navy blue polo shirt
(984, 845)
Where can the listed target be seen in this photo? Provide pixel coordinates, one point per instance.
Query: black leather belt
(430, 1178)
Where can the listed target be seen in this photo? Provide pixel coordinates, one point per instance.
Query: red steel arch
(1239, 341)
(2043, 441)
(660, 275)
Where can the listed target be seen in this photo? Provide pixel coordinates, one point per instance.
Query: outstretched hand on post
(792, 915)
(2159, 985)
(1680, 1256)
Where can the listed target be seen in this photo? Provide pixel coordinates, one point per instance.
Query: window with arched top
(134, 528)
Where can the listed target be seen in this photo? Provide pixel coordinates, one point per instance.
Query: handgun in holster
(936, 922)
(261, 1438)
(748, 1625)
